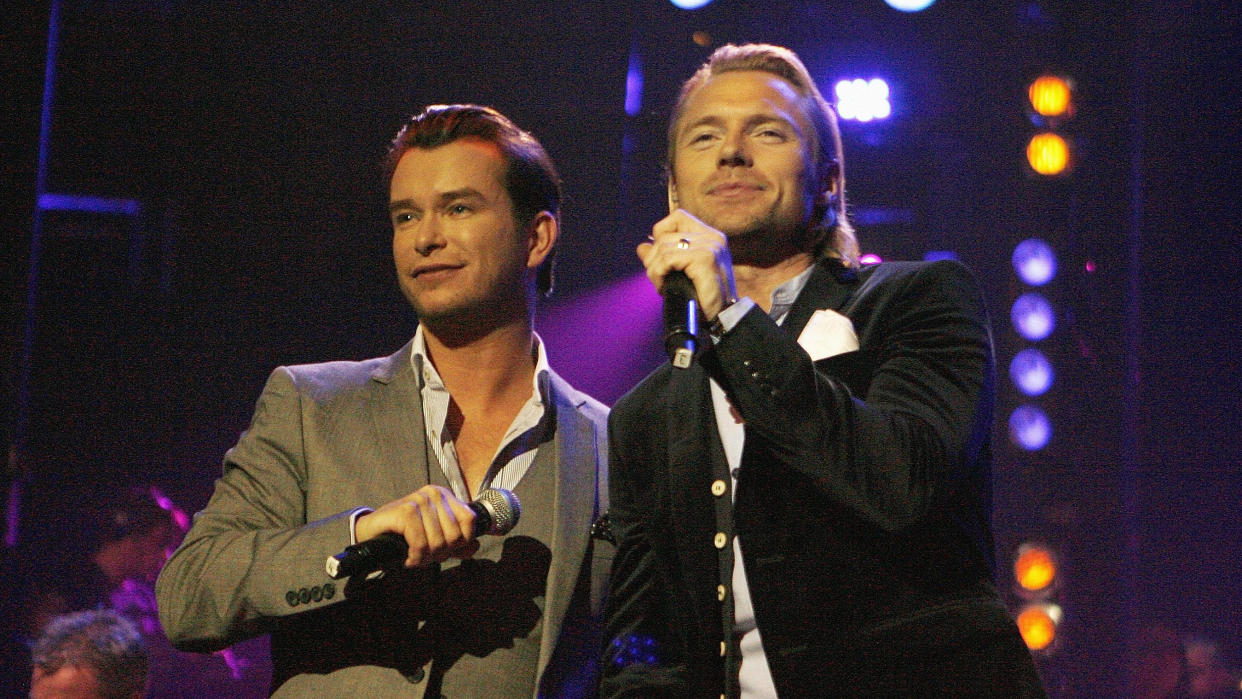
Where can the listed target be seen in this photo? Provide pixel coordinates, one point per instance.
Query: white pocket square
(827, 333)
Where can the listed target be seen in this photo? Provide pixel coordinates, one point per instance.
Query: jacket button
(719, 488)
(720, 592)
(329, 590)
(304, 596)
(291, 598)
(722, 650)
(316, 593)
(721, 539)
(416, 676)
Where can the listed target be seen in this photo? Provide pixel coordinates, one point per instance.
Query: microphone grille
(504, 507)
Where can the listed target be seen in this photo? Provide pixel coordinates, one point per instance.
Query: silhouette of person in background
(88, 655)
(1208, 674)
(103, 551)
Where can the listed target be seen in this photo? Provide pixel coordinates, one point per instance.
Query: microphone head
(504, 508)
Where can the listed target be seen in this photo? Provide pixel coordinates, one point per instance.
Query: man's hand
(680, 241)
(435, 525)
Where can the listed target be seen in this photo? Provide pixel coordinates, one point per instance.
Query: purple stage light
(1032, 316)
(1031, 372)
(1034, 261)
(634, 84)
(863, 100)
(910, 5)
(605, 340)
(1029, 428)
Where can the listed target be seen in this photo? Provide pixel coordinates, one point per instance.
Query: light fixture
(1048, 153)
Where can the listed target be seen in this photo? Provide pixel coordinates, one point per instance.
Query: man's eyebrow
(771, 117)
(751, 121)
(451, 195)
(462, 193)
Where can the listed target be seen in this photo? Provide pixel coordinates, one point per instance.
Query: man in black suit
(803, 511)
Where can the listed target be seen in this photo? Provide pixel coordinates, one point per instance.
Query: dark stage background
(249, 134)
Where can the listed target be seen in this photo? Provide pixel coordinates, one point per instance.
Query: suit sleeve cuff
(728, 318)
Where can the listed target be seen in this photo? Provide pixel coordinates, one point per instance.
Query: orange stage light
(1048, 153)
(1050, 96)
(1035, 568)
(1038, 625)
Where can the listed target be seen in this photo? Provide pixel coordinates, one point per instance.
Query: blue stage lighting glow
(690, 4)
(634, 84)
(1034, 261)
(863, 100)
(910, 5)
(1031, 372)
(1032, 316)
(1029, 428)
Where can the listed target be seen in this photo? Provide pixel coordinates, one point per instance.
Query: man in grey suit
(341, 452)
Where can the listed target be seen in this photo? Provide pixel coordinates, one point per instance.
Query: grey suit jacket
(326, 439)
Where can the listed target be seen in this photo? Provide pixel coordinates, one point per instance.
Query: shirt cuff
(353, 536)
(353, 523)
(732, 315)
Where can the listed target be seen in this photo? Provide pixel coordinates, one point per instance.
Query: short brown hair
(530, 176)
(831, 232)
(101, 640)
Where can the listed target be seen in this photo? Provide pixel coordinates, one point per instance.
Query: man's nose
(733, 152)
(427, 236)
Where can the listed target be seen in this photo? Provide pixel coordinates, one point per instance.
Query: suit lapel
(397, 414)
(576, 457)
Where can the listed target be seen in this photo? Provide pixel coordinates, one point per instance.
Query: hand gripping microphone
(681, 318)
(496, 512)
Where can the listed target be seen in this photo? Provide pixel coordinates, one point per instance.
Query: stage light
(1048, 153)
(1034, 567)
(1050, 96)
(1034, 262)
(634, 84)
(1029, 428)
(690, 4)
(910, 5)
(1031, 372)
(1032, 316)
(863, 100)
(870, 259)
(1038, 625)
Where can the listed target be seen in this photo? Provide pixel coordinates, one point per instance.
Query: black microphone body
(681, 318)
(495, 512)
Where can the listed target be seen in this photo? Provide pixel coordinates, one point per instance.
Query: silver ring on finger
(683, 244)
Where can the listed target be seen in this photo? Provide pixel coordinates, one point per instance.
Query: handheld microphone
(496, 512)
(681, 319)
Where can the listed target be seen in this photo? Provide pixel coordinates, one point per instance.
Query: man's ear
(830, 179)
(673, 204)
(828, 186)
(541, 237)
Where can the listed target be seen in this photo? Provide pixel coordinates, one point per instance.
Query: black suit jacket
(862, 504)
